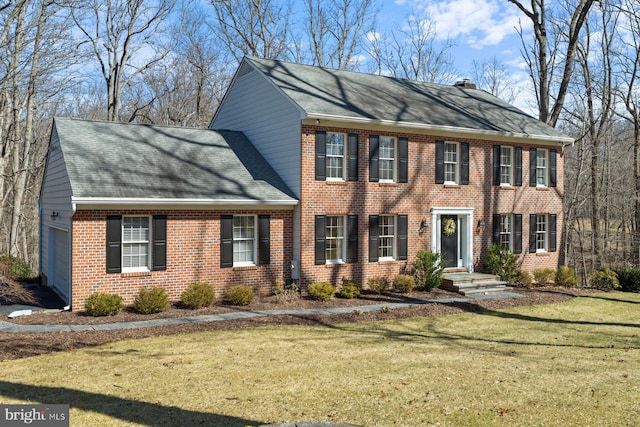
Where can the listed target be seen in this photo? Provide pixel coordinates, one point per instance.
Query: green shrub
(629, 279)
(404, 283)
(378, 284)
(198, 295)
(285, 293)
(99, 304)
(604, 280)
(322, 291)
(502, 262)
(349, 289)
(428, 270)
(18, 269)
(151, 300)
(544, 276)
(566, 276)
(239, 295)
(523, 278)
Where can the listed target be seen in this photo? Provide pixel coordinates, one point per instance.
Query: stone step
(487, 284)
(491, 290)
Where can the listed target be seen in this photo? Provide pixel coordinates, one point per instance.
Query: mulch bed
(19, 345)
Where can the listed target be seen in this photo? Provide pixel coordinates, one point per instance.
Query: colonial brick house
(357, 173)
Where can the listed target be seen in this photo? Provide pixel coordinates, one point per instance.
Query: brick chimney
(465, 83)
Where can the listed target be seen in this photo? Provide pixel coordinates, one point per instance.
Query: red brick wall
(416, 198)
(193, 254)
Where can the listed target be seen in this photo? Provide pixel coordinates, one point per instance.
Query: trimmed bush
(99, 304)
(378, 284)
(566, 276)
(404, 283)
(502, 262)
(285, 293)
(349, 289)
(151, 300)
(629, 279)
(428, 270)
(544, 276)
(605, 280)
(322, 291)
(198, 295)
(523, 278)
(239, 295)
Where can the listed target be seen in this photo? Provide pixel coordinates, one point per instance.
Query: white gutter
(439, 128)
(89, 201)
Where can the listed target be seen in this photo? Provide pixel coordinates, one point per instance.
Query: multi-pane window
(506, 166)
(541, 167)
(244, 239)
(334, 238)
(335, 155)
(506, 230)
(386, 236)
(387, 156)
(135, 243)
(541, 233)
(451, 162)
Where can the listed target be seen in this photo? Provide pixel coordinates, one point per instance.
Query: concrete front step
(485, 291)
(473, 283)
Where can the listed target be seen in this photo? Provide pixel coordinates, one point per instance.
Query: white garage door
(60, 261)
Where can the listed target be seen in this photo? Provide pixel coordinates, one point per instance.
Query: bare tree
(124, 38)
(494, 77)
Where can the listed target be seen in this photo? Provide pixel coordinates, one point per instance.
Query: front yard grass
(569, 364)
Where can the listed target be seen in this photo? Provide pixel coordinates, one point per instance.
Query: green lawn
(570, 364)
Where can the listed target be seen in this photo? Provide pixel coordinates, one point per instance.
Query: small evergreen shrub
(322, 291)
(239, 295)
(502, 262)
(378, 284)
(285, 293)
(100, 304)
(198, 295)
(428, 269)
(604, 280)
(523, 278)
(404, 283)
(544, 276)
(151, 300)
(629, 279)
(18, 269)
(566, 276)
(349, 289)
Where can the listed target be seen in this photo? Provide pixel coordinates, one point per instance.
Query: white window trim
(394, 172)
(142, 269)
(510, 244)
(343, 244)
(255, 243)
(457, 163)
(545, 233)
(343, 178)
(394, 238)
(511, 174)
(546, 168)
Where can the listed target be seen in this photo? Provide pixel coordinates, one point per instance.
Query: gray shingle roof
(120, 160)
(351, 95)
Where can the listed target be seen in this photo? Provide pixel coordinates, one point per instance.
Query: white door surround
(465, 234)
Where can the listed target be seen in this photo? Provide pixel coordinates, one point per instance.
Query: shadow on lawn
(151, 414)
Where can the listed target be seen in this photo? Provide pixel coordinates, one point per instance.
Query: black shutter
(320, 247)
(321, 155)
(264, 240)
(517, 234)
(552, 167)
(532, 232)
(403, 227)
(159, 254)
(114, 243)
(496, 165)
(496, 229)
(403, 159)
(533, 163)
(552, 233)
(352, 238)
(518, 171)
(374, 157)
(439, 162)
(352, 167)
(373, 238)
(226, 241)
(464, 163)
